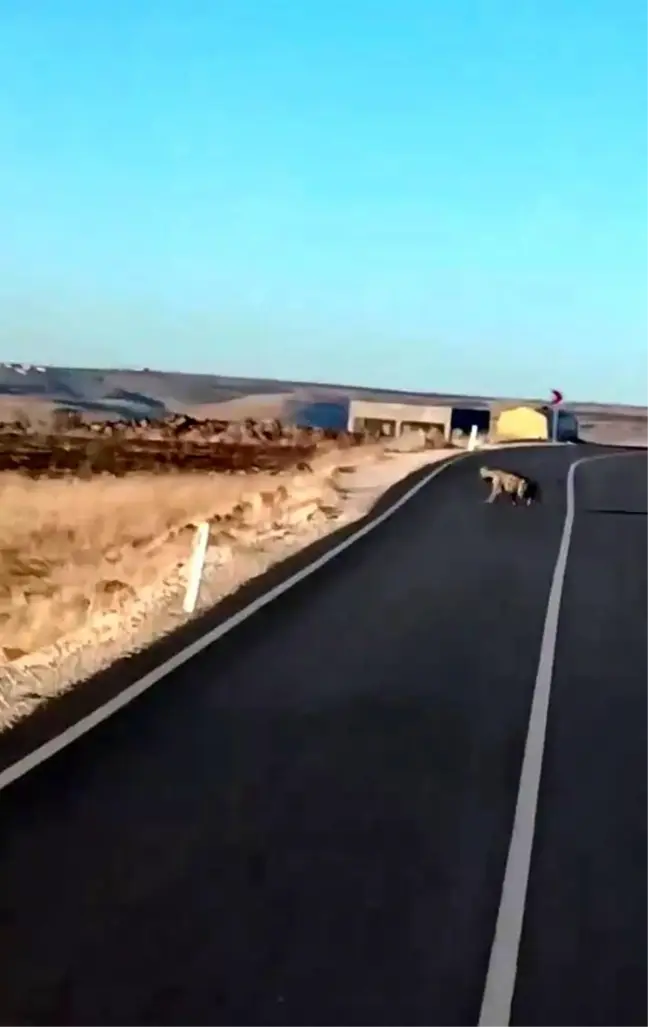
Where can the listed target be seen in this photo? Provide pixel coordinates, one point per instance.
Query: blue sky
(415, 194)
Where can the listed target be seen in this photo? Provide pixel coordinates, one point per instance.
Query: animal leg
(495, 491)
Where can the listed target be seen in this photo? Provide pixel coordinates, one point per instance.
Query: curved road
(310, 822)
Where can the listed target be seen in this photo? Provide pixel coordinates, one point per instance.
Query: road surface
(309, 823)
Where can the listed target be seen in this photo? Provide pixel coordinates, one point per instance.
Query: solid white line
(81, 727)
(502, 968)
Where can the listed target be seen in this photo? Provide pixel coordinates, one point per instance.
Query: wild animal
(520, 488)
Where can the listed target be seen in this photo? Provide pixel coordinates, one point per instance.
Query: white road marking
(502, 968)
(81, 727)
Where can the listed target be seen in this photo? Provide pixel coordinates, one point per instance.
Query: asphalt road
(309, 822)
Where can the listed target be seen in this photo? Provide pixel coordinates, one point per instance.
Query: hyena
(517, 486)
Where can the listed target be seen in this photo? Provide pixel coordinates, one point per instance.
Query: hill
(145, 393)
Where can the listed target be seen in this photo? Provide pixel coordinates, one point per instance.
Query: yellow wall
(522, 423)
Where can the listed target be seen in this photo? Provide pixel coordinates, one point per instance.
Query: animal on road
(517, 486)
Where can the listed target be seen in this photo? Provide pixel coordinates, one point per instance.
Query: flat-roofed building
(393, 419)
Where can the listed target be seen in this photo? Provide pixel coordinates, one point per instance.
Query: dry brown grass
(70, 548)
(93, 570)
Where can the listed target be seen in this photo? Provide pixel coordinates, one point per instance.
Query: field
(173, 445)
(92, 515)
(71, 547)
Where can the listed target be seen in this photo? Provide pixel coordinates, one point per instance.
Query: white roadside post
(472, 440)
(196, 565)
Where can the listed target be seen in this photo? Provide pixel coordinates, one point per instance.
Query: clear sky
(417, 194)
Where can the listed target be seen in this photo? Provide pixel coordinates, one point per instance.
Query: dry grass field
(92, 514)
(70, 547)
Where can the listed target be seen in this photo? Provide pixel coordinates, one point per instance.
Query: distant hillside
(145, 393)
(107, 392)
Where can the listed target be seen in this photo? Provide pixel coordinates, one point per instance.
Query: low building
(393, 419)
(325, 414)
(465, 418)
